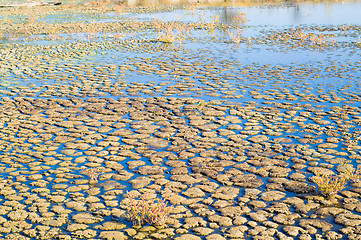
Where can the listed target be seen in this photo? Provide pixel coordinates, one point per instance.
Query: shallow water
(324, 13)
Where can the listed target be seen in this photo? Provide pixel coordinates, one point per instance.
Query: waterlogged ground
(228, 112)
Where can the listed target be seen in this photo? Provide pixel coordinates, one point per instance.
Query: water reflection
(278, 14)
(229, 3)
(228, 15)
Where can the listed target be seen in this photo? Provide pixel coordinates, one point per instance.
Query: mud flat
(230, 121)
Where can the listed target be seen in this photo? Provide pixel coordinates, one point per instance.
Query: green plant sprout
(201, 105)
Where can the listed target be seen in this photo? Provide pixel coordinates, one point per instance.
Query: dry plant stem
(167, 36)
(319, 39)
(240, 18)
(329, 185)
(350, 173)
(154, 213)
(237, 37)
(300, 35)
(93, 173)
(158, 213)
(137, 211)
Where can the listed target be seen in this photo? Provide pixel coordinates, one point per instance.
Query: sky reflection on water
(295, 14)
